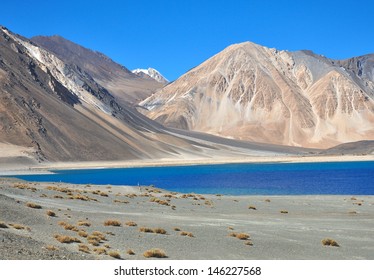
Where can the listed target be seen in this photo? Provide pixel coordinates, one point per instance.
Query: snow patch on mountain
(151, 72)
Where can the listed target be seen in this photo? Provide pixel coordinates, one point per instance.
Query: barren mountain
(254, 93)
(50, 110)
(119, 81)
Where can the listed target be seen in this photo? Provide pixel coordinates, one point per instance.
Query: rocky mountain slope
(118, 80)
(51, 110)
(255, 93)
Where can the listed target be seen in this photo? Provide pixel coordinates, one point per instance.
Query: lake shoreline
(46, 168)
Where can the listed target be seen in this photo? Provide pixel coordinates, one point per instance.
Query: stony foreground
(65, 221)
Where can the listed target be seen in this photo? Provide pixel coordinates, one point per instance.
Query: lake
(348, 178)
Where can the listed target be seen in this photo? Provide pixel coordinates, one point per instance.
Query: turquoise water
(351, 178)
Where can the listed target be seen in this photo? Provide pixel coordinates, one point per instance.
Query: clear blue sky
(174, 36)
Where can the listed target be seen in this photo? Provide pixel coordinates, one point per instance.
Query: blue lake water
(350, 178)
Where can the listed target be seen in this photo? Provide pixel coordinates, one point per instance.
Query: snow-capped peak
(153, 73)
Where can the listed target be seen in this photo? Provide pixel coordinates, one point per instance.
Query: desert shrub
(186, 233)
(114, 254)
(84, 248)
(130, 252)
(154, 253)
(51, 248)
(18, 226)
(159, 231)
(3, 225)
(66, 239)
(131, 224)
(113, 223)
(284, 212)
(241, 236)
(50, 213)
(177, 229)
(252, 207)
(248, 243)
(329, 242)
(267, 200)
(100, 251)
(33, 205)
(84, 223)
(99, 235)
(82, 233)
(145, 229)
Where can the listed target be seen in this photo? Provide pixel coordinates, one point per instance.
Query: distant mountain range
(254, 93)
(62, 102)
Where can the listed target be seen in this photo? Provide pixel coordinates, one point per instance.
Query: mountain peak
(152, 73)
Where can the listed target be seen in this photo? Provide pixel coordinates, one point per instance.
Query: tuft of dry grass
(66, 239)
(100, 251)
(267, 200)
(330, 242)
(130, 252)
(145, 229)
(186, 233)
(19, 226)
(50, 213)
(114, 223)
(114, 254)
(248, 243)
(33, 205)
(84, 248)
(251, 207)
(51, 248)
(177, 229)
(241, 236)
(82, 233)
(84, 223)
(3, 225)
(99, 234)
(284, 212)
(159, 231)
(352, 212)
(230, 228)
(131, 224)
(154, 253)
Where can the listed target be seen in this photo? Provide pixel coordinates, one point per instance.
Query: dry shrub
(252, 207)
(145, 229)
(248, 243)
(84, 248)
(82, 233)
(18, 226)
(84, 223)
(100, 251)
(114, 254)
(284, 212)
(352, 212)
(33, 205)
(114, 223)
(99, 235)
(329, 242)
(50, 213)
(131, 224)
(3, 225)
(154, 253)
(130, 252)
(159, 231)
(51, 248)
(177, 229)
(241, 236)
(230, 228)
(71, 227)
(267, 200)
(186, 233)
(67, 239)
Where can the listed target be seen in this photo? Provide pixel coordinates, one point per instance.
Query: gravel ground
(278, 227)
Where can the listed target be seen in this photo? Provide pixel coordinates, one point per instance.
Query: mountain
(117, 79)
(54, 111)
(255, 93)
(152, 73)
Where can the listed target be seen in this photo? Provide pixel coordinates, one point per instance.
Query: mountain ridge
(261, 94)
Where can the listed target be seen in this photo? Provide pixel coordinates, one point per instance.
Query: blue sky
(174, 36)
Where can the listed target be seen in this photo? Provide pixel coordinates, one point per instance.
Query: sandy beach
(106, 222)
